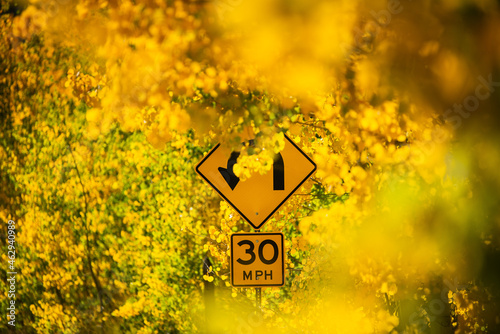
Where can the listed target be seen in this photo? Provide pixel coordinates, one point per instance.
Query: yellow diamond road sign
(257, 198)
(257, 259)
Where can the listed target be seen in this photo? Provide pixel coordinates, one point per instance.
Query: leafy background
(106, 107)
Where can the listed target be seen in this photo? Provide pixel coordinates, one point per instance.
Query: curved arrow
(232, 180)
(228, 173)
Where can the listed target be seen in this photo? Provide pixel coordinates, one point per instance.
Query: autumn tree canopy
(107, 106)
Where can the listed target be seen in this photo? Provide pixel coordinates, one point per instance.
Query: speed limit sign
(257, 260)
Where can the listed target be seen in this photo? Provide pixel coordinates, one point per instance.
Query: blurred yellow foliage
(108, 105)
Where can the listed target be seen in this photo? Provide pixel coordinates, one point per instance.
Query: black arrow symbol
(232, 180)
(278, 173)
(228, 174)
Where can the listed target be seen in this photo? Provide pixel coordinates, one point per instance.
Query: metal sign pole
(258, 297)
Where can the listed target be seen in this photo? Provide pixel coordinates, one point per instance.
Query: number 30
(250, 251)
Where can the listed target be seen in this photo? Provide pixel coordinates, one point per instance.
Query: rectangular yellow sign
(257, 259)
